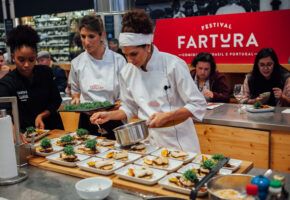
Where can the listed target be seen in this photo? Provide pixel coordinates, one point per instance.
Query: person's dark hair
(93, 23)
(22, 35)
(258, 83)
(137, 21)
(1, 53)
(205, 57)
(264, 53)
(115, 41)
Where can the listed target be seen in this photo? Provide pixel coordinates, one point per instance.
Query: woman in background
(157, 87)
(94, 73)
(210, 82)
(267, 77)
(37, 95)
(4, 69)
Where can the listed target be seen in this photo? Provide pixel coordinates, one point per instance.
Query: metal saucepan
(237, 182)
(131, 133)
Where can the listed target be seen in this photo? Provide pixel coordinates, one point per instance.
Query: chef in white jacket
(94, 73)
(157, 87)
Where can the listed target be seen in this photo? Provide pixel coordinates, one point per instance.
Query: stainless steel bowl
(131, 133)
(233, 181)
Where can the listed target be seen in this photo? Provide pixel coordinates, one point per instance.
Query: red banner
(232, 38)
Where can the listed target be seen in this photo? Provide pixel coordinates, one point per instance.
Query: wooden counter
(156, 189)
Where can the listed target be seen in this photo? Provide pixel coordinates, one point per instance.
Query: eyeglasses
(266, 65)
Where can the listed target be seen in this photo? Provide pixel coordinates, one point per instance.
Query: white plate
(235, 165)
(89, 137)
(187, 159)
(148, 149)
(55, 149)
(222, 171)
(54, 158)
(131, 156)
(157, 175)
(198, 158)
(54, 140)
(171, 186)
(173, 164)
(84, 166)
(40, 136)
(234, 162)
(251, 109)
(100, 149)
(110, 147)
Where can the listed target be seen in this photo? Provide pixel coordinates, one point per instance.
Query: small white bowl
(94, 188)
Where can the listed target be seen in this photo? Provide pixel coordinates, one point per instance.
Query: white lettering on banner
(181, 42)
(216, 25)
(226, 40)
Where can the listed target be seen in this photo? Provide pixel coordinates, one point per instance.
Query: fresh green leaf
(88, 105)
(91, 144)
(69, 150)
(66, 138)
(190, 175)
(218, 157)
(45, 143)
(81, 132)
(30, 130)
(257, 105)
(208, 164)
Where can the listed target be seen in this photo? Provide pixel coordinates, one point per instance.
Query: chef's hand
(75, 100)
(277, 93)
(158, 119)
(207, 93)
(39, 122)
(100, 117)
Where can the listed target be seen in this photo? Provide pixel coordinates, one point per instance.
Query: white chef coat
(166, 86)
(96, 80)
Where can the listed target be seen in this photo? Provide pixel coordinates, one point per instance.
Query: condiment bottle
(275, 190)
(263, 183)
(252, 192)
(284, 192)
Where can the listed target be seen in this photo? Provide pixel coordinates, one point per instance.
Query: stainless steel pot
(233, 181)
(131, 133)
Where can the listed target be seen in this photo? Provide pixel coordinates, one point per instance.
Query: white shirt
(96, 80)
(166, 86)
(143, 93)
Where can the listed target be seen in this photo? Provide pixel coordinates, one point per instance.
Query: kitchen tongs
(213, 172)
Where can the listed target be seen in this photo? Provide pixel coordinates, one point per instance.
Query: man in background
(59, 76)
(114, 46)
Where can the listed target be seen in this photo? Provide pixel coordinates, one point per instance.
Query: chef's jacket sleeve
(121, 62)
(73, 79)
(128, 104)
(188, 91)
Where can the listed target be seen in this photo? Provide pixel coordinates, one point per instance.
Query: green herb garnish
(218, 157)
(190, 175)
(91, 144)
(208, 164)
(257, 105)
(45, 143)
(82, 132)
(69, 150)
(66, 139)
(88, 105)
(30, 130)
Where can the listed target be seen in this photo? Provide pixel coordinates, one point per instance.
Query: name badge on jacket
(22, 95)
